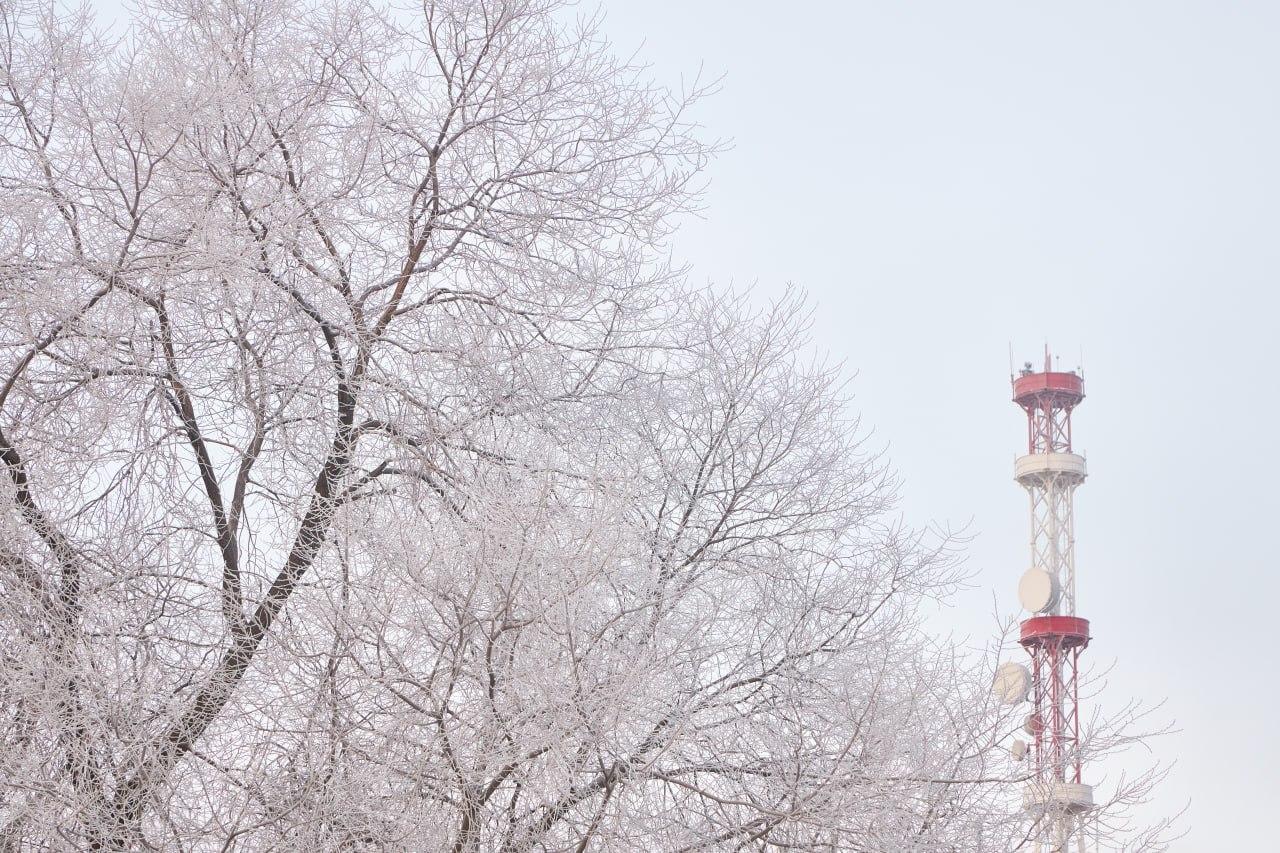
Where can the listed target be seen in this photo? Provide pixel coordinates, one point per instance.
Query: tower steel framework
(1057, 799)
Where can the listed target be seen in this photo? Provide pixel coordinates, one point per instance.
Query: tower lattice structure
(1057, 799)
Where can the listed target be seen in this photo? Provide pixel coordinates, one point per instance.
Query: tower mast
(1055, 635)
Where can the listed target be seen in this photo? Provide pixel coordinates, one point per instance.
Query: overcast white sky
(947, 178)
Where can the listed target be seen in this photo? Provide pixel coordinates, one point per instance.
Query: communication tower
(1057, 799)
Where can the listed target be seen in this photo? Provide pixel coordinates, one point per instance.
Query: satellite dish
(1038, 590)
(1012, 684)
(1019, 749)
(1033, 726)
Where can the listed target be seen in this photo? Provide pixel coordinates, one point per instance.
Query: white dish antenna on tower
(1012, 684)
(1039, 591)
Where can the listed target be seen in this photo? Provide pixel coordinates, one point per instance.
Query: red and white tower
(1057, 798)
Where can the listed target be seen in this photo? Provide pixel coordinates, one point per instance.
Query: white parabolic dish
(1038, 590)
(1012, 684)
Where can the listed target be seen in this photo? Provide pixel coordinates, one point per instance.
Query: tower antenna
(1056, 799)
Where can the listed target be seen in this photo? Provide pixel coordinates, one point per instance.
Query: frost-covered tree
(370, 482)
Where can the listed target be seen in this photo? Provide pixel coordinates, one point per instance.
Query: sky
(948, 180)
